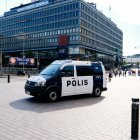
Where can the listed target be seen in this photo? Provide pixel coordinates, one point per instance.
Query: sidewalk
(72, 118)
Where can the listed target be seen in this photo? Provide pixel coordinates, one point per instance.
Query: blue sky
(125, 14)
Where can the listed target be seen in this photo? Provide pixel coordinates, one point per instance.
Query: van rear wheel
(52, 95)
(97, 92)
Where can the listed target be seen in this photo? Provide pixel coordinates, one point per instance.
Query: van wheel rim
(53, 96)
(97, 91)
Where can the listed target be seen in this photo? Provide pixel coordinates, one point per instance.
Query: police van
(68, 77)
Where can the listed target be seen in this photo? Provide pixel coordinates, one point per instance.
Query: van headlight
(42, 84)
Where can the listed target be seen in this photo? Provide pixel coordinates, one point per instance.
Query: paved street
(80, 118)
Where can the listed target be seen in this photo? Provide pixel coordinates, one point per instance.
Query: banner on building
(21, 61)
(63, 40)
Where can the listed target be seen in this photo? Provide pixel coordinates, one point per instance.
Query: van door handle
(73, 78)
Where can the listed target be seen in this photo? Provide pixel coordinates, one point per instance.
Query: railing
(13, 70)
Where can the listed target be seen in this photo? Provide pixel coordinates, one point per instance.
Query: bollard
(8, 78)
(28, 75)
(135, 119)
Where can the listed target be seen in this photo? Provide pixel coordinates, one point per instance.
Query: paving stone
(84, 118)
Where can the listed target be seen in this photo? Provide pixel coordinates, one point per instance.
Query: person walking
(125, 73)
(115, 73)
(120, 72)
(109, 76)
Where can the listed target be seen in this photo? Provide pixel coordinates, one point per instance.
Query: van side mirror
(62, 74)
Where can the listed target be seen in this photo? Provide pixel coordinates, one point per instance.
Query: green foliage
(29, 54)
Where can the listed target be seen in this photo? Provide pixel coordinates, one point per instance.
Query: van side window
(97, 69)
(67, 71)
(84, 71)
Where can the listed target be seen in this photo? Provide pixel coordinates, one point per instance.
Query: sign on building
(21, 61)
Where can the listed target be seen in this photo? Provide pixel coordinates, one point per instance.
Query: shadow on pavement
(41, 106)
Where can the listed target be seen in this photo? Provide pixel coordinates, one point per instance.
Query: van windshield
(50, 70)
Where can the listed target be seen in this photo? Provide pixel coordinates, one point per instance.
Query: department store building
(59, 29)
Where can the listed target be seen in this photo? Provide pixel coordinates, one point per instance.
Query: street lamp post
(22, 37)
(37, 62)
(23, 43)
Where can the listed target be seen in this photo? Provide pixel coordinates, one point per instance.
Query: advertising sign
(21, 61)
(63, 40)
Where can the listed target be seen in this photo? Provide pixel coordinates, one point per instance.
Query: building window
(74, 50)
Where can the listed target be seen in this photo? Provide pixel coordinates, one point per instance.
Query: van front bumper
(34, 91)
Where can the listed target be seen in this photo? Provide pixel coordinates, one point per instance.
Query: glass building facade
(59, 29)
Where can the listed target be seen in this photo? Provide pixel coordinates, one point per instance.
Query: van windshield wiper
(43, 74)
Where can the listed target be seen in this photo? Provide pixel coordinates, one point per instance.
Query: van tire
(97, 92)
(52, 95)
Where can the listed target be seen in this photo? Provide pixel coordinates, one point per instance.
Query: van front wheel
(52, 95)
(97, 92)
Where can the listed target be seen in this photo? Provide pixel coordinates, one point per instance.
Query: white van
(68, 77)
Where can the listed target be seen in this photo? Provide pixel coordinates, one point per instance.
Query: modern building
(59, 29)
(132, 59)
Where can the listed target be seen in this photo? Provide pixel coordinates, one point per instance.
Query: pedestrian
(115, 73)
(120, 73)
(109, 76)
(125, 73)
(138, 72)
(129, 72)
